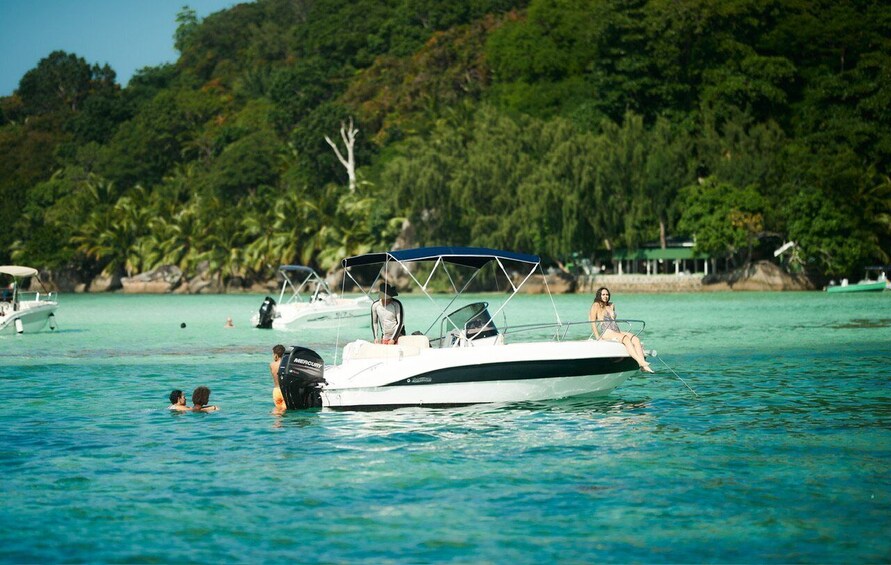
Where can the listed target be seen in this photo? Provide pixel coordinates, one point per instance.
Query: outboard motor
(301, 376)
(267, 313)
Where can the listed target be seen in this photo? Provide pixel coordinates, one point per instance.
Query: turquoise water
(783, 457)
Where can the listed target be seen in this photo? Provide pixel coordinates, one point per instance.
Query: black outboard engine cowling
(267, 313)
(301, 377)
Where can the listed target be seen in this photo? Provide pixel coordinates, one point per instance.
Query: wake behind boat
(320, 308)
(463, 356)
(27, 311)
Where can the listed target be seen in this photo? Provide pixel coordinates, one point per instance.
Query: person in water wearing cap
(387, 322)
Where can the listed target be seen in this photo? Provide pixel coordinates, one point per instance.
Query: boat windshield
(474, 320)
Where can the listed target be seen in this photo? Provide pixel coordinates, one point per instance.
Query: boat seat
(362, 349)
(418, 341)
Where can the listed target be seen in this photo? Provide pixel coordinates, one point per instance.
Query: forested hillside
(552, 127)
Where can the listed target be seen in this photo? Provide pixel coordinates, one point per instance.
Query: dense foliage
(546, 126)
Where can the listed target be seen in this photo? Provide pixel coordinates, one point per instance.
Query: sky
(126, 34)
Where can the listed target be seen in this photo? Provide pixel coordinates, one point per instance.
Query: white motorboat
(27, 311)
(310, 302)
(464, 357)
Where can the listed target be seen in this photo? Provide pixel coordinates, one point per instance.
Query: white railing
(31, 296)
(552, 331)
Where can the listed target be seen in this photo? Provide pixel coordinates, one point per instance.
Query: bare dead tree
(348, 135)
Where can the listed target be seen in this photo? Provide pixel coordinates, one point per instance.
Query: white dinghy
(320, 307)
(464, 356)
(27, 311)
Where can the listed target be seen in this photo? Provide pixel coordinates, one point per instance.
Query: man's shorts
(278, 399)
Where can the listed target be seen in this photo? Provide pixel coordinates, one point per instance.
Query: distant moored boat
(22, 312)
(876, 280)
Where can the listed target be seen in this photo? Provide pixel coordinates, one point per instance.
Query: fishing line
(677, 375)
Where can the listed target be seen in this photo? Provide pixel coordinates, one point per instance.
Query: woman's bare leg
(632, 344)
(627, 340)
(638, 347)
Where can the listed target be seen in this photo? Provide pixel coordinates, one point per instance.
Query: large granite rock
(265, 287)
(558, 282)
(204, 282)
(762, 275)
(163, 280)
(104, 283)
(59, 280)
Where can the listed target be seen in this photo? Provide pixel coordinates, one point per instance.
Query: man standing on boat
(387, 322)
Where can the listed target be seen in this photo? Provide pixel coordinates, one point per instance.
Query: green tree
(110, 235)
(60, 82)
(187, 24)
(725, 220)
(668, 167)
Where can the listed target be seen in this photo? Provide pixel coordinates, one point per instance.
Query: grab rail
(34, 296)
(560, 330)
(552, 331)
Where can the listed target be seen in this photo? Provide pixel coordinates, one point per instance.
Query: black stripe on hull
(521, 371)
(386, 407)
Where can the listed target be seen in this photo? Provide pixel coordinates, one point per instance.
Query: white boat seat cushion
(362, 349)
(418, 341)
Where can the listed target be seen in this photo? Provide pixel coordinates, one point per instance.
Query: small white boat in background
(27, 311)
(320, 307)
(463, 356)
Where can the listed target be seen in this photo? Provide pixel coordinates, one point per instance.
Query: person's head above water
(201, 396)
(278, 351)
(176, 395)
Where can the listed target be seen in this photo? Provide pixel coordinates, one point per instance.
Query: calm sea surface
(785, 455)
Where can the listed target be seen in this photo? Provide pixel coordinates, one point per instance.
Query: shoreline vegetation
(582, 129)
(169, 279)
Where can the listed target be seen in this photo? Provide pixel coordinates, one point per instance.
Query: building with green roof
(677, 258)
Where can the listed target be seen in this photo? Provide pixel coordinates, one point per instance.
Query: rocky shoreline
(169, 279)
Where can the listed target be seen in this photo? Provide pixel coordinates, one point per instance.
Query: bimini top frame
(473, 257)
(301, 273)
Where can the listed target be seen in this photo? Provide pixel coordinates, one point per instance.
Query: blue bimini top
(475, 257)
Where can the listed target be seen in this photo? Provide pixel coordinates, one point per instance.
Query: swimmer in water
(200, 399)
(178, 401)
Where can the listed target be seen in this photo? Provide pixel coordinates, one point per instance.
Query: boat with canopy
(466, 354)
(306, 300)
(24, 311)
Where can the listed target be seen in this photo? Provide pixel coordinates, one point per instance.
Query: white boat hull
(471, 393)
(29, 319)
(291, 316)
(317, 314)
(473, 375)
